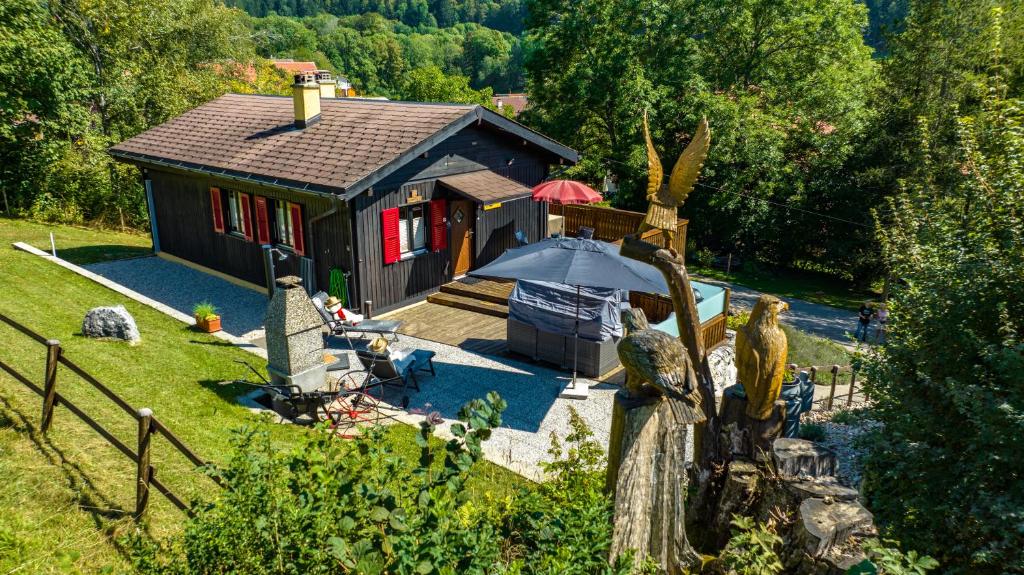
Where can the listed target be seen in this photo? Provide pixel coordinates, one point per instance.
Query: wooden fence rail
(148, 424)
(833, 372)
(609, 224)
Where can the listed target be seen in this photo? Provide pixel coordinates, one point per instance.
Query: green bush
(883, 559)
(332, 506)
(813, 432)
(945, 470)
(751, 548)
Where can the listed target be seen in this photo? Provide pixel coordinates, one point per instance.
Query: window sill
(413, 255)
(236, 236)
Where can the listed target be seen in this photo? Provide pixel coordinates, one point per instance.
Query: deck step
(469, 304)
(487, 291)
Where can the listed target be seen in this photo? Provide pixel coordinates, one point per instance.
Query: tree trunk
(670, 264)
(650, 484)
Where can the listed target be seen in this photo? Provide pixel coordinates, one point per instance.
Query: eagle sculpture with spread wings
(665, 200)
(761, 349)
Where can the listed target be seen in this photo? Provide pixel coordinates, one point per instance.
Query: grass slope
(65, 494)
(808, 286)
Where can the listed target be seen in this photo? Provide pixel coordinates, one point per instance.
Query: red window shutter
(299, 239)
(262, 222)
(246, 201)
(438, 228)
(218, 210)
(389, 232)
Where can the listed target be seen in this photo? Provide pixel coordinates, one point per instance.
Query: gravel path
(534, 411)
(821, 320)
(181, 287)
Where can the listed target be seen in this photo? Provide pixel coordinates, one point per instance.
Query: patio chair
(381, 327)
(398, 367)
(521, 239)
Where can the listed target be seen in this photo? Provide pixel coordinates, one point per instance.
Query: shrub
(891, 561)
(813, 432)
(734, 322)
(204, 310)
(751, 548)
(333, 506)
(949, 385)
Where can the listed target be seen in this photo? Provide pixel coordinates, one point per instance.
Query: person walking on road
(882, 315)
(864, 315)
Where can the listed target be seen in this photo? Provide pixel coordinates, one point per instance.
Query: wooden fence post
(853, 380)
(50, 382)
(143, 476)
(832, 391)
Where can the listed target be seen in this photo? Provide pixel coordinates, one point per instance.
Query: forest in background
(813, 104)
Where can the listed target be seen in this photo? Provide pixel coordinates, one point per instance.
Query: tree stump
(650, 484)
(799, 457)
(739, 492)
(824, 523)
(743, 435)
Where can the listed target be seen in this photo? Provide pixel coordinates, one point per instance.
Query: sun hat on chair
(332, 302)
(378, 345)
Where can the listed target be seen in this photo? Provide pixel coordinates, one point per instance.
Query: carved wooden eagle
(664, 201)
(655, 359)
(761, 349)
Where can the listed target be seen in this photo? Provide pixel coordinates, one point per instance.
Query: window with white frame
(412, 228)
(285, 232)
(237, 221)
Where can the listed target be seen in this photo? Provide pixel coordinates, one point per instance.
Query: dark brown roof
(356, 142)
(485, 187)
(518, 101)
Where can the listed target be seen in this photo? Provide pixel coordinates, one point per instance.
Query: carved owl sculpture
(662, 213)
(761, 349)
(656, 359)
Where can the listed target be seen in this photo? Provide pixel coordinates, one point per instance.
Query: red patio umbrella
(565, 192)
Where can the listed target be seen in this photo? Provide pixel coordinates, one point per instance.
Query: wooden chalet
(401, 197)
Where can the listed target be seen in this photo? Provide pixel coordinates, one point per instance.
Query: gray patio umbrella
(576, 262)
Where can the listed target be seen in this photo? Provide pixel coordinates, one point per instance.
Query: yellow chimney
(327, 84)
(306, 98)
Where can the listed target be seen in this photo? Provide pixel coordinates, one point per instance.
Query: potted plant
(206, 317)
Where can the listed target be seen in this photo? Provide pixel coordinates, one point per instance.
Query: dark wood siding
(390, 285)
(473, 148)
(496, 228)
(184, 220)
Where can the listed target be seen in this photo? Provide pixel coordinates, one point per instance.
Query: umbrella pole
(576, 390)
(576, 338)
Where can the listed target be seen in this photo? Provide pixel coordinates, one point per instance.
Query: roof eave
(304, 187)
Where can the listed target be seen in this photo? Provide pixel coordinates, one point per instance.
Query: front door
(462, 219)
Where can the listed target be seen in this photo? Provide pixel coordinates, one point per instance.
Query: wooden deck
(468, 313)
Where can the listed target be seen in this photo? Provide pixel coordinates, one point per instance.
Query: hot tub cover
(551, 307)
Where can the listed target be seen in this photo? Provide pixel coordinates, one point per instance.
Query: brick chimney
(306, 98)
(327, 84)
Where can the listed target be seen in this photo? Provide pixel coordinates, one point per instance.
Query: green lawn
(808, 286)
(64, 495)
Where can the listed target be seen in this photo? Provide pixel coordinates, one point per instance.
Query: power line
(786, 206)
(779, 204)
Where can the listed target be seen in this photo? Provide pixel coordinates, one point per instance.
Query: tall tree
(945, 471)
(783, 83)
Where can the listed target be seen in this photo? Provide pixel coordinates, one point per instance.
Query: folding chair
(381, 327)
(398, 368)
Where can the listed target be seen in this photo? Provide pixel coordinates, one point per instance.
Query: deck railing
(609, 224)
(148, 424)
(658, 307)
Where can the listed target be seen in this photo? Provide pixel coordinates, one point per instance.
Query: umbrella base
(575, 390)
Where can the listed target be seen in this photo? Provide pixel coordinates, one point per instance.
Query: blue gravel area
(181, 287)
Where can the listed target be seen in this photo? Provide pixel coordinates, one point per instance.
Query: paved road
(821, 320)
